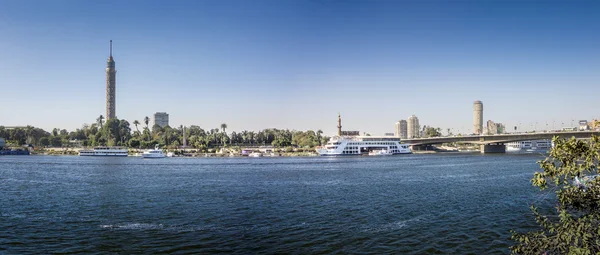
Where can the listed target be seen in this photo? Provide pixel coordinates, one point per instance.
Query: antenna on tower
(111, 48)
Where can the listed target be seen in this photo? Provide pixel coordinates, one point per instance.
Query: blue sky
(296, 64)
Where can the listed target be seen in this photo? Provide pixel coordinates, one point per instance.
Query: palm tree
(147, 120)
(99, 120)
(319, 136)
(136, 123)
(223, 127)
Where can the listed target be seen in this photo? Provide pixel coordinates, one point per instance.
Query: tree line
(119, 132)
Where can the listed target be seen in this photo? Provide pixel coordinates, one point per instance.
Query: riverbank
(221, 153)
(177, 153)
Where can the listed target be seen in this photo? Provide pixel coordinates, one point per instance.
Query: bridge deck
(500, 138)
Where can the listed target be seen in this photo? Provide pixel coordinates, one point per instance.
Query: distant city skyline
(297, 64)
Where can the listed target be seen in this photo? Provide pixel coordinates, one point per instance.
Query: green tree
(223, 127)
(134, 143)
(573, 226)
(55, 141)
(147, 121)
(136, 123)
(432, 132)
(44, 141)
(99, 120)
(319, 136)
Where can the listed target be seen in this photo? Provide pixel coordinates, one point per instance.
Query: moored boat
(529, 146)
(255, 155)
(153, 153)
(105, 151)
(359, 145)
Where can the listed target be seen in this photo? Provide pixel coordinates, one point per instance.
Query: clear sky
(296, 64)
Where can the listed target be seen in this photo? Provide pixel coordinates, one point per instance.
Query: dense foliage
(573, 227)
(115, 132)
(432, 132)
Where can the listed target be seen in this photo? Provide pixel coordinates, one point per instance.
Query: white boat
(359, 145)
(255, 155)
(380, 153)
(156, 153)
(529, 146)
(105, 151)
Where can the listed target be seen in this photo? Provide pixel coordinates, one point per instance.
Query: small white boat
(255, 155)
(156, 153)
(584, 181)
(380, 153)
(170, 154)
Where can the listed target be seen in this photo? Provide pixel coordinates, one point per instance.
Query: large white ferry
(529, 146)
(105, 151)
(362, 145)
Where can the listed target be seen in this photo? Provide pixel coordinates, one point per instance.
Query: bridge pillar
(492, 148)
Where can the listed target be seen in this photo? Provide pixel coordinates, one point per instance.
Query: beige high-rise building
(111, 83)
(478, 117)
(401, 129)
(412, 127)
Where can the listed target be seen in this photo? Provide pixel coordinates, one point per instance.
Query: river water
(408, 204)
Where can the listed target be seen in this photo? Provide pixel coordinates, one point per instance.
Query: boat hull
(98, 155)
(153, 156)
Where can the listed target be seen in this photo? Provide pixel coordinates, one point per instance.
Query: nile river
(407, 204)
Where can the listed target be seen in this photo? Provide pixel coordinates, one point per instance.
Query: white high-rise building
(413, 127)
(401, 129)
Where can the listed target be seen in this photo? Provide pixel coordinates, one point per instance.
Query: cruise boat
(105, 151)
(362, 145)
(529, 146)
(156, 153)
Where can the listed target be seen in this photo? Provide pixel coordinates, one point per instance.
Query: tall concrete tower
(413, 127)
(478, 117)
(339, 126)
(111, 82)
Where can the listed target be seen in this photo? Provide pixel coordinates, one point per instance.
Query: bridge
(496, 143)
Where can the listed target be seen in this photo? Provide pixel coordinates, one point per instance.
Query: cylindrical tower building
(478, 117)
(413, 127)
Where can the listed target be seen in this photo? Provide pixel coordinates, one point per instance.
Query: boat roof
(367, 138)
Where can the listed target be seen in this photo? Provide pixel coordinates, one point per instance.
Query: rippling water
(409, 204)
